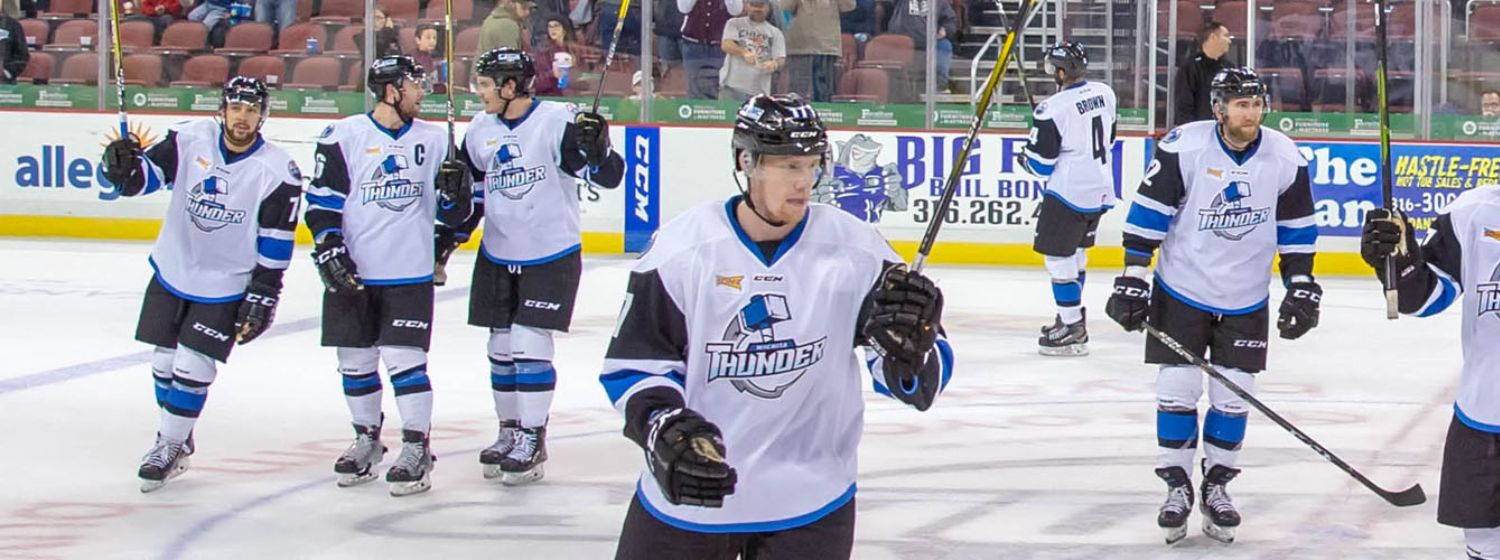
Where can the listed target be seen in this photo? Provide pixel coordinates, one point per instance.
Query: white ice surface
(1024, 457)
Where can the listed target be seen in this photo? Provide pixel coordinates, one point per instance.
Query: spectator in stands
(555, 59)
(541, 12)
(11, 9)
(13, 51)
(702, 29)
(429, 57)
(813, 45)
(506, 25)
(909, 18)
(668, 31)
(753, 51)
(1489, 103)
(630, 35)
(1194, 77)
(282, 12)
(859, 22)
(387, 37)
(212, 12)
(161, 13)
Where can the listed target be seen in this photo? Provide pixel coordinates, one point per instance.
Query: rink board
(50, 184)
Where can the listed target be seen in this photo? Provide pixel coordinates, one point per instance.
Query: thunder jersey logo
(1230, 215)
(508, 177)
(206, 209)
(388, 186)
(753, 358)
(1489, 295)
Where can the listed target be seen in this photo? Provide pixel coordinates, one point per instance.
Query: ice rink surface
(1023, 457)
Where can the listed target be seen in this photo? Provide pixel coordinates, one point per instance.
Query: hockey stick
(1386, 199)
(990, 85)
(114, 36)
(1016, 55)
(448, 70)
(1408, 497)
(609, 57)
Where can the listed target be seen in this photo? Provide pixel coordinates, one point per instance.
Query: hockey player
(1460, 255)
(1220, 198)
(526, 157)
(734, 363)
(1072, 135)
(381, 183)
(218, 261)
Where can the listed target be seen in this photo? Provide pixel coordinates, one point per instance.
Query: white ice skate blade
(355, 479)
(1064, 351)
(1174, 535)
(524, 477)
(492, 472)
(399, 489)
(1222, 534)
(149, 486)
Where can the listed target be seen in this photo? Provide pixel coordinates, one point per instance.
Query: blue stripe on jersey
(1075, 207)
(1040, 168)
(616, 383)
(185, 295)
(760, 527)
(536, 261)
(945, 353)
(329, 202)
(1447, 294)
(274, 249)
(1209, 308)
(1472, 423)
(1146, 218)
(1296, 236)
(786, 244)
(395, 135)
(397, 281)
(153, 177)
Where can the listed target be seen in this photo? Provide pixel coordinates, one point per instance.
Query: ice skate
(165, 461)
(357, 465)
(1220, 519)
(1062, 339)
(412, 472)
(523, 465)
(1172, 518)
(492, 456)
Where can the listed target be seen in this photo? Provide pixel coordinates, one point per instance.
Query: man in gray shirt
(753, 51)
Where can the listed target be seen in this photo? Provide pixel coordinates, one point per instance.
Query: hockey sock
(1067, 290)
(408, 368)
(1483, 544)
(1224, 426)
(360, 368)
(1081, 257)
(161, 373)
(503, 376)
(1177, 391)
(192, 373)
(536, 379)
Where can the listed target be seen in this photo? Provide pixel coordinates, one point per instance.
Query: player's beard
(1242, 135)
(409, 109)
(239, 135)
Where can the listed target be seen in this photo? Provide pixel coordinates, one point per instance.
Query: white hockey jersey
(227, 215)
(526, 174)
(376, 188)
(1220, 218)
(1463, 252)
(1072, 137)
(762, 347)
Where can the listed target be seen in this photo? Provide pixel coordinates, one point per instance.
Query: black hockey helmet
(393, 70)
(244, 89)
(506, 63)
(779, 125)
(1235, 82)
(1067, 56)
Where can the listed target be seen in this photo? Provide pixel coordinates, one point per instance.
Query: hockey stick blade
(1408, 497)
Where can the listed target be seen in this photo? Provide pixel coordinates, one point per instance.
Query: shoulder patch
(1172, 136)
(328, 131)
(1041, 109)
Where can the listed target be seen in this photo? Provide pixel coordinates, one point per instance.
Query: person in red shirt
(555, 58)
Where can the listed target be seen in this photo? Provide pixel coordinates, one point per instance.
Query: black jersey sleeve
(330, 186)
(1431, 290)
(646, 363)
(158, 168)
(1156, 202)
(607, 175)
(1296, 227)
(1044, 145)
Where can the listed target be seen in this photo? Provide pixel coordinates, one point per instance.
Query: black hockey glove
(257, 311)
(1387, 235)
(122, 159)
(453, 182)
(906, 311)
(1299, 310)
(335, 266)
(593, 137)
(445, 241)
(1131, 300)
(686, 455)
